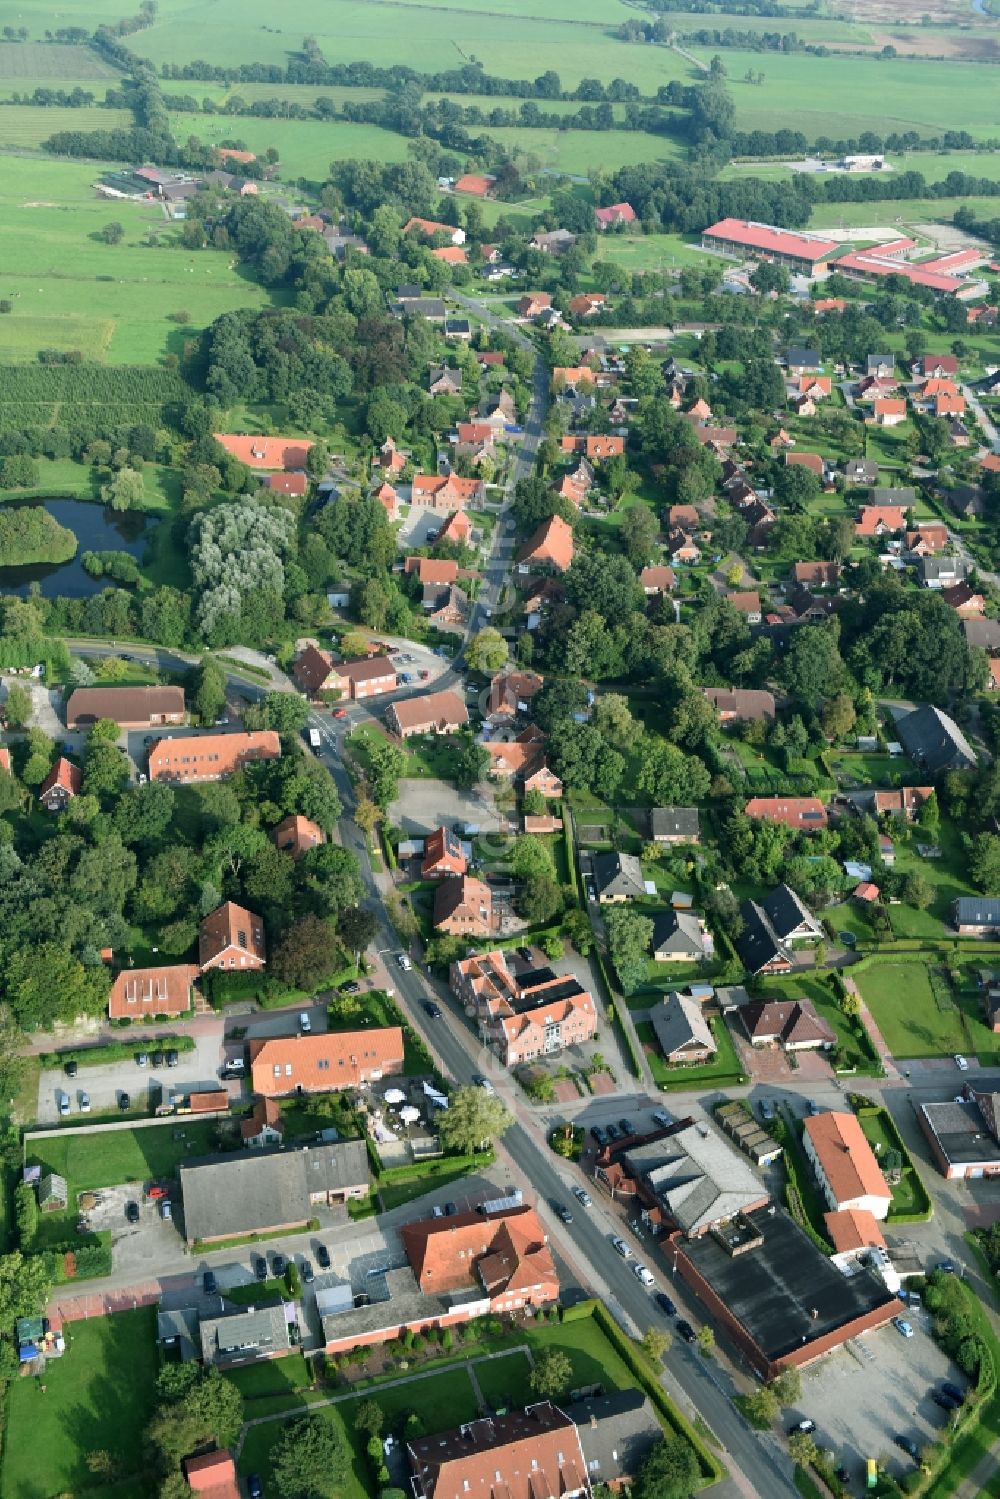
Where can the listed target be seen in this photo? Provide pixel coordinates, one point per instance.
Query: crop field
(897, 211)
(115, 302)
(306, 147)
(22, 125)
(37, 60)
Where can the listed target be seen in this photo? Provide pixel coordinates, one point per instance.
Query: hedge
(416, 1170)
(112, 1051)
(624, 1035)
(83, 1261)
(711, 1469)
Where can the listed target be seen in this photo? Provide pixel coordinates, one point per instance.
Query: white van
(315, 741)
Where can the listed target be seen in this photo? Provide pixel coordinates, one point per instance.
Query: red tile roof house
(927, 539)
(656, 581)
(888, 412)
(880, 520)
(451, 493)
(936, 364)
(534, 1453)
(129, 707)
(617, 213)
(511, 693)
(142, 994)
(463, 908)
(191, 758)
(966, 602)
(533, 303)
(315, 671)
(458, 527)
(544, 780)
(903, 803)
(587, 303)
(800, 813)
(429, 227)
(792, 1024)
(741, 704)
(430, 713)
(5, 758)
(946, 404)
(283, 1065)
(231, 937)
(507, 1257)
(213, 1474)
(817, 574)
(388, 499)
(264, 1126)
(551, 547)
(443, 856)
(297, 835)
(594, 447)
(845, 1164)
(812, 461)
(390, 458)
(295, 485)
(266, 452)
(62, 783)
(748, 604)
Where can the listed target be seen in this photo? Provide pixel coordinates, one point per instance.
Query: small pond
(97, 529)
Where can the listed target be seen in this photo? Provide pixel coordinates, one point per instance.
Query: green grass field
(21, 125)
(902, 1001)
(26, 63)
(306, 147)
(70, 290)
(899, 211)
(97, 1397)
(116, 1156)
(578, 151)
(651, 252)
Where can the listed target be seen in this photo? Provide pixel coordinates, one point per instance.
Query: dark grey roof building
(617, 1433)
(675, 825)
(239, 1336)
(678, 937)
(618, 877)
(977, 914)
(982, 632)
(934, 741)
(256, 1191)
(771, 928)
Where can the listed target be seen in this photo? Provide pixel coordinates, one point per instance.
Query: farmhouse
(289, 453)
(128, 707)
(618, 213)
(550, 547)
(803, 252)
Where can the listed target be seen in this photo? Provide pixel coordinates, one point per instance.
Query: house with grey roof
(244, 1335)
(772, 929)
(976, 915)
(617, 877)
(683, 1033)
(697, 1180)
(675, 825)
(679, 937)
(984, 633)
(617, 1433)
(941, 572)
(934, 741)
(264, 1191)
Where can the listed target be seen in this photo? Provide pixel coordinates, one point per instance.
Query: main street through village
(704, 1387)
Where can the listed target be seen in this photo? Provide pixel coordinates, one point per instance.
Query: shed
(53, 1193)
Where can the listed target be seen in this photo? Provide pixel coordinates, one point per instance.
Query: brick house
(140, 994)
(295, 835)
(437, 492)
(62, 783)
(128, 707)
(189, 759)
(429, 713)
(800, 813)
(284, 1065)
(845, 1164)
(463, 907)
(443, 856)
(231, 937)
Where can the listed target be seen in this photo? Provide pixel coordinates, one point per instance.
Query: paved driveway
(195, 1069)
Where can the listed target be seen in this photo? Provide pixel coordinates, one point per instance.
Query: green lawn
(256, 1454)
(504, 1380)
(115, 1156)
(72, 291)
(306, 147)
(900, 997)
(394, 1194)
(97, 1397)
(908, 1195)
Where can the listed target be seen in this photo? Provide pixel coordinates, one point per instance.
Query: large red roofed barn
(742, 237)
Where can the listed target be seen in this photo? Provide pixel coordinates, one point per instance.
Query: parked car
(812, 1106)
(172, 1058)
(611, 1130)
(805, 1425)
(62, 1102)
(626, 1126)
(686, 1331)
(621, 1247)
(84, 1103)
(766, 1109)
(960, 1062)
(562, 1212)
(437, 1211)
(433, 1010)
(662, 1118)
(340, 712)
(944, 1401)
(597, 1133)
(353, 987)
(279, 1264)
(908, 1445)
(131, 1212)
(72, 1068)
(665, 1304)
(642, 1273)
(209, 1284)
(902, 1327)
(308, 1273)
(259, 1264)
(404, 962)
(255, 1489)
(166, 1211)
(158, 1058)
(583, 1197)
(953, 1392)
(424, 675)
(484, 1083)
(322, 1256)
(124, 1102)
(947, 1267)
(142, 1060)
(450, 1209)
(305, 1022)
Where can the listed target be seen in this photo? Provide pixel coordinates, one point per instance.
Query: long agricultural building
(807, 252)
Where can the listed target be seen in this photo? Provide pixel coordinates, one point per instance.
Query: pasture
(70, 290)
(577, 152)
(900, 211)
(22, 125)
(25, 62)
(935, 165)
(306, 147)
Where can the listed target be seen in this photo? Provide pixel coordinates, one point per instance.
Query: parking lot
(104, 1084)
(143, 1247)
(877, 1388)
(425, 804)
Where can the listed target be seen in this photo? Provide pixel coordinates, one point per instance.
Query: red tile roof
(847, 1160)
(796, 812)
(465, 906)
(65, 775)
(812, 461)
(5, 758)
(617, 213)
(429, 711)
(442, 854)
(293, 484)
(320, 1064)
(207, 757)
(141, 993)
(451, 254)
(439, 570)
(231, 931)
(213, 1474)
(776, 241)
(853, 1228)
(266, 452)
(458, 527)
(450, 1254)
(265, 1112)
(551, 545)
(523, 1454)
(296, 835)
(874, 519)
